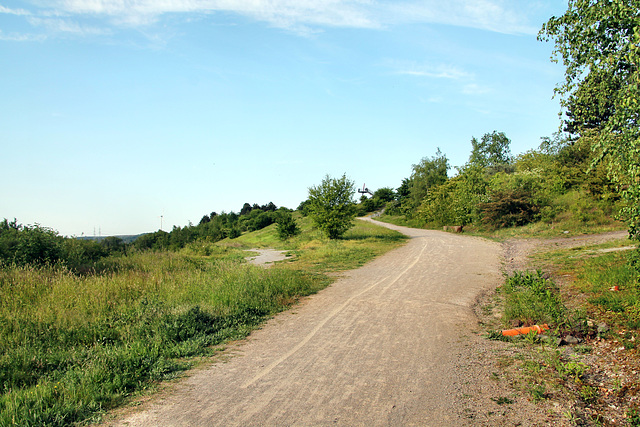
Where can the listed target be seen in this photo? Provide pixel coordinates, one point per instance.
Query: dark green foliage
(403, 191)
(38, 246)
(286, 225)
(304, 207)
(384, 194)
(34, 244)
(509, 209)
(379, 200)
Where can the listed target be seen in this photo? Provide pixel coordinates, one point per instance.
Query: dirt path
(392, 343)
(266, 257)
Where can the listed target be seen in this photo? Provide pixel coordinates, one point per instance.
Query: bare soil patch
(266, 256)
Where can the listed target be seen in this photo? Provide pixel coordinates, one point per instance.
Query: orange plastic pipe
(524, 331)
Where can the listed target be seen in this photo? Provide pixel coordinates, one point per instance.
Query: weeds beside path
(594, 380)
(517, 251)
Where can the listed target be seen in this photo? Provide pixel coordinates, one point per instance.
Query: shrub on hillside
(509, 209)
(286, 225)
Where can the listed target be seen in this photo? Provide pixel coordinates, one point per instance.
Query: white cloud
(59, 25)
(14, 11)
(501, 16)
(22, 37)
(475, 89)
(299, 16)
(290, 14)
(435, 71)
(493, 15)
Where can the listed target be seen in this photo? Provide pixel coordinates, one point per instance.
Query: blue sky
(115, 112)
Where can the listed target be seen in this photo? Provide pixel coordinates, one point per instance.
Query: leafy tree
(286, 225)
(403, 191)
(112, 244)
(430, 172)
(509, 208)
(384, 194)
(269, 207)
(331, 205)
(599, 43)
(492, 151)
(304, 207)
(32, 244)
(246, 208)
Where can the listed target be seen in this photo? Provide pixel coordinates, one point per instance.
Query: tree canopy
(430, 172)
(599, 44)
(492, 151)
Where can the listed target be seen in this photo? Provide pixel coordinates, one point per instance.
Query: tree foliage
(429, 173)
(331, 205)
(286, 225)
(599, 44)
(492, 151)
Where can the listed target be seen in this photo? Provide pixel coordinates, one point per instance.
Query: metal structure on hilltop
(364, 190)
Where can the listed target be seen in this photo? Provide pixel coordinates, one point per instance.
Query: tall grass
(612, 285)
(72, 346)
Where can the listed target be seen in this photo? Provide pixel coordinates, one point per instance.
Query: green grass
(73, 346)
(572, 374)
(530, 298)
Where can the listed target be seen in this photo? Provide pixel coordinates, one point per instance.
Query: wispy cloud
(290, 14)
(434, 71)
(475, 89)
(462, 79)
(14, 11)
(500, 16)
(493, 15)
(299, 16)
(22, 37)
(60, 25)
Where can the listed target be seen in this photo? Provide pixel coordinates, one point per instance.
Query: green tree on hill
(491, 152)
(331, 205)
(429, 173)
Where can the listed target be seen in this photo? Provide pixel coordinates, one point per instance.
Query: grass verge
(587, 367)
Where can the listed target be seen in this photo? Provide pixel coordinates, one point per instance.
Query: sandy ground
(395, 342)
(266, 257)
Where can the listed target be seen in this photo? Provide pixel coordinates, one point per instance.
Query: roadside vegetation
(585, 369)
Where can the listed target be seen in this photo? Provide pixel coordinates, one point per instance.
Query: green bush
(286, 225)
(509, 209)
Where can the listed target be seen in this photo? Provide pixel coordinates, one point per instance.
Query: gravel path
(395, 342)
